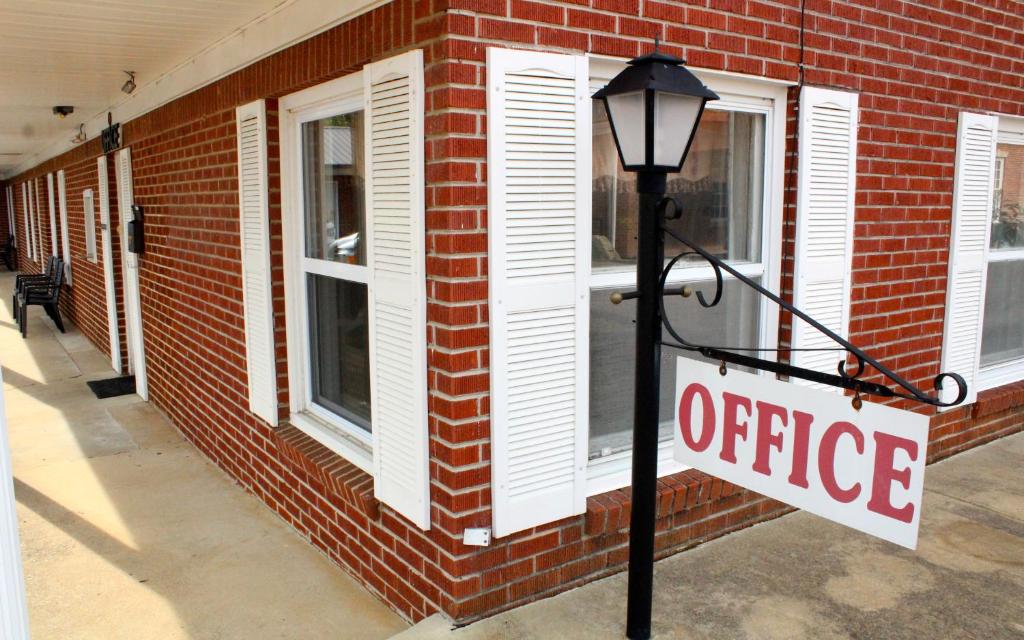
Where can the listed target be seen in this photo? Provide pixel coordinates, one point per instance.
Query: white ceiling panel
(74, 52)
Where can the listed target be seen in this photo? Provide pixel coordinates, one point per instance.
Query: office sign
(806, 447)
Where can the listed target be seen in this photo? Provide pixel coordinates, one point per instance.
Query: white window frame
(341, 436)
(737, 93)
(1011, 131)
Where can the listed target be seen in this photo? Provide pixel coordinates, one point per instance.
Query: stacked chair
(7, 254)
(42, 290)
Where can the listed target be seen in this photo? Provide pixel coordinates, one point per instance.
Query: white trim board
(287, 24)
(13, 610)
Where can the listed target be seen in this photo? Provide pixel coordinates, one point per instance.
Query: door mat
(113, 387)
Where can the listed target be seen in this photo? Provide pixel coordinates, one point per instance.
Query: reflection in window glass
(333, 171)
(732, 323)
(720, 189)
(1002, 337)
(1008, 200)
(339, 347)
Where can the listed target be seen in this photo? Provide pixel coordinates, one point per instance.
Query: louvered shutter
(113, 330)
(50, 200)
(539, 165)
(37, 208)
(26, 193)
(27, 218)
(395, 227)
(824, 223)
(62, 204)
(968, 270)
(254, 228)
(11, 216)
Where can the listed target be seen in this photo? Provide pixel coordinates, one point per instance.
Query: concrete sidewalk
(802, 577)
(128, 532)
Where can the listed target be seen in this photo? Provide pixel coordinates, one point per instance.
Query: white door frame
(13, 610)
(108, 264)
(130, 275)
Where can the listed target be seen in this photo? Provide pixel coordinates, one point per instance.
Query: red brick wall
(185, 175)
(915, 66)
(914, 73)
(86, 298)
(84, 303)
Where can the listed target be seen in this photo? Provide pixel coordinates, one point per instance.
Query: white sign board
(806, 447)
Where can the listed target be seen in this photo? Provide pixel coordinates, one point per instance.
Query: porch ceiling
(74, 52)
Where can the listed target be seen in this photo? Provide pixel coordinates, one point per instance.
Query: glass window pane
(1008, 200)
(1002, 337)
(733, 323)
(339, 347)
(720, 188)
(333, 170)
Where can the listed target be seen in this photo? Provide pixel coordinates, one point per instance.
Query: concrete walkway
(801, 577)
(128, 532)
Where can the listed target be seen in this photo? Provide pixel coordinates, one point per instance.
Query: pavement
(128, 532)
(802, 577)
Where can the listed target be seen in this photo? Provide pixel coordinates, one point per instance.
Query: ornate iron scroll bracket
(845, 379)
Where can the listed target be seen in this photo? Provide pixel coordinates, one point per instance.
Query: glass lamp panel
(627, 113)
(675, 116)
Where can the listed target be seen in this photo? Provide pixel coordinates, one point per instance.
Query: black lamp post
(654, 107)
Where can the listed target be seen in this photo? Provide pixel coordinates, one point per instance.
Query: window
(328, 297)
(354, 251)
(1002, 340)
(730, 192)
(89, 209)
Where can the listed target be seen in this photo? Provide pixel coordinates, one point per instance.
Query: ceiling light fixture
(63, 111)
(129, 84)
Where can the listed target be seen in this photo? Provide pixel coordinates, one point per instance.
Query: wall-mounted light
(80, 137)
(63, 111)
(129, 84)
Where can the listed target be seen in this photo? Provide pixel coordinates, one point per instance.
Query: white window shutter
(968, 257)
(824, 224)
(26, 217)
(254, 229)
(53, 214)
(37, 207)
(26, 194)
(539, 191)
(11, 217)
(396, 235)
(62, 203)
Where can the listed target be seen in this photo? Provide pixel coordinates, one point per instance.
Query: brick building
(377, 260)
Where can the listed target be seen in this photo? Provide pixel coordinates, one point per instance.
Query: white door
(13, 614)
(130, 273)
(108, 265)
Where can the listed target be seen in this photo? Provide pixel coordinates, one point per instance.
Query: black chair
(7, 253)
(20, 282)
(46, 296)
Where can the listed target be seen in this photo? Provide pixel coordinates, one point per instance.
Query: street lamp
(654, 107)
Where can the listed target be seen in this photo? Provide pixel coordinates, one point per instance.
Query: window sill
(344, 445)
(692, 491)
(992, 401)
(336, 474)
(615, 471)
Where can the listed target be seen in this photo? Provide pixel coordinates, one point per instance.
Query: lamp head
(654, 106)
